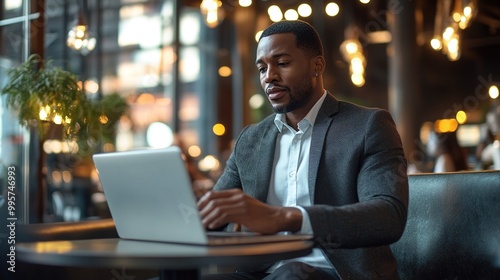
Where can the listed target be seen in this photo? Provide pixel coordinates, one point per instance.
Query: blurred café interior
(186, 72)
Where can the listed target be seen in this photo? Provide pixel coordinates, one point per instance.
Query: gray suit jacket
(357, 181)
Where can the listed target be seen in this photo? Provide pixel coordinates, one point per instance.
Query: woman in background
(448, 154)
(490, 132)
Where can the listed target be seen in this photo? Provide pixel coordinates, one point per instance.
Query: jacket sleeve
(380, 182)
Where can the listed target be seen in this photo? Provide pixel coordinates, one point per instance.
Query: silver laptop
(150, 197)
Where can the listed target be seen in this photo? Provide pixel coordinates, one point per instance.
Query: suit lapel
(265, 152)
(321, 126)
(267, 146)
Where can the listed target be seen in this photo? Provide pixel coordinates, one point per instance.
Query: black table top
(114, 252)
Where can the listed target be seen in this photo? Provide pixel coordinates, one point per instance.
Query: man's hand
(218, 208)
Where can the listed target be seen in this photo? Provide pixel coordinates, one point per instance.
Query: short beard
(292, 105)
(296, 101)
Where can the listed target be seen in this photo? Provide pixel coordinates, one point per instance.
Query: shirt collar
(280, 119)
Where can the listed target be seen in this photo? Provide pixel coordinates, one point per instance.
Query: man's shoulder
(333, 105)
(351, 106)
(359, 115)
(255, 132)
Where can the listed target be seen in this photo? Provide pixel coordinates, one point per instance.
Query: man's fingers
(219, 208)
(211, 195)
(214, 201)
(222, 214)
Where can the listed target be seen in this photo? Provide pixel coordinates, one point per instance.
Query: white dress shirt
(289, 180)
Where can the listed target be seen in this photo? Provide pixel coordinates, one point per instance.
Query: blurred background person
(490, 133)
(448, 155)
(201, 181)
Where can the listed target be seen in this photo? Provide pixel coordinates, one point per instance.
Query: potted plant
(53, 102)
(45, 96)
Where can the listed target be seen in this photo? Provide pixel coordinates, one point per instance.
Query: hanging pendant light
(80, 38)
(352, 52)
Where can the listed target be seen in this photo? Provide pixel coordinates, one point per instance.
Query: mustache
(273, 87)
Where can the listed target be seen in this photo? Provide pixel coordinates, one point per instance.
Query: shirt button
(292, 174)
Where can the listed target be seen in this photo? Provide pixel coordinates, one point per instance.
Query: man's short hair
(306, 36)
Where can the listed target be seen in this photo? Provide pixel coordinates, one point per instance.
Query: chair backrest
(453, 227)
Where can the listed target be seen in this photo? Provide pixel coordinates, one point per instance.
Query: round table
(175, 261)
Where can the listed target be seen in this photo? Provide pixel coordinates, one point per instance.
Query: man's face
(285, 72)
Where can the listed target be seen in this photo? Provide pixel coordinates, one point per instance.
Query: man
(318, 166)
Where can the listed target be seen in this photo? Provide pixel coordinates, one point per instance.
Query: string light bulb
(493, 92)
(448, 25)
(245, 3)
(436, 43)
(213, 12)
(275, 13)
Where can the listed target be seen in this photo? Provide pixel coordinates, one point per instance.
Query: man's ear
(319, 64)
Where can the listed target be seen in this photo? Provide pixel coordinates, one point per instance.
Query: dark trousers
(289, 271)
